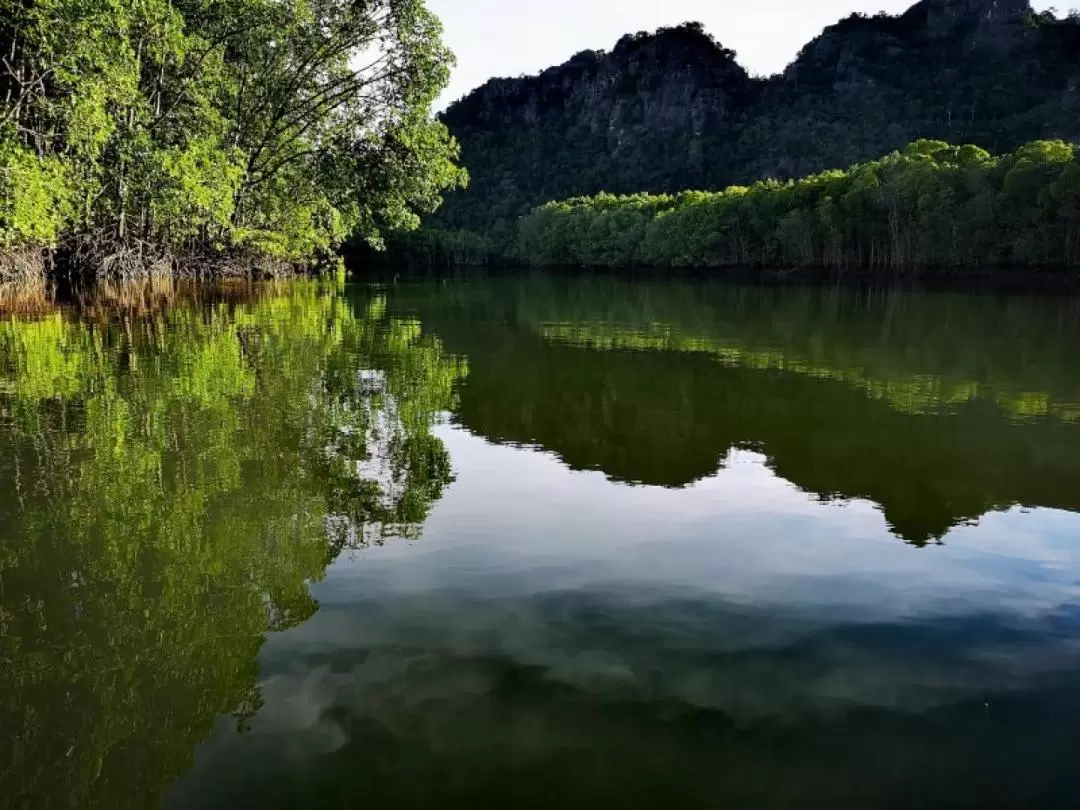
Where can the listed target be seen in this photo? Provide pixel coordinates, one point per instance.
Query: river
(540, 541)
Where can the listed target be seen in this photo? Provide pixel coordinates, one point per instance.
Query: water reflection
(940, 408)
(658, 565)
(563, 639)
(174, 471)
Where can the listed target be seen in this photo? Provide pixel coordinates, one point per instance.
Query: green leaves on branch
(36, 198)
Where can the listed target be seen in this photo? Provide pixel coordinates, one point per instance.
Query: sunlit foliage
(158, 129)
(931, 204)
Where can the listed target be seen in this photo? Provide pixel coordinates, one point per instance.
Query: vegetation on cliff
(136, 133)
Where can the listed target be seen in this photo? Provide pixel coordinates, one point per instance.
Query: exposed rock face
(860, 52)
(678, 80)
(1070, 99)
(987, 16)
(974, 24)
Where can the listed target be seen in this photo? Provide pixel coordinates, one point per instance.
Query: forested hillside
(138, 134)
(673, 110)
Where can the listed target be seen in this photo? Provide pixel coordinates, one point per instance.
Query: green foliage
(931, 204)
(170, 485)
(189, 126)
(35, 197)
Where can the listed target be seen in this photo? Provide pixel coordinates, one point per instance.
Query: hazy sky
(511, 37)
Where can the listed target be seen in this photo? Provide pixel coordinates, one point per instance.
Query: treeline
(134, 134)
(931, 204)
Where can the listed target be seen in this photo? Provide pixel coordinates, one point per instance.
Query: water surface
(540, 542)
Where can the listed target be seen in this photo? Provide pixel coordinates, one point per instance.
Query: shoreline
(1002, 278)
(87, 264)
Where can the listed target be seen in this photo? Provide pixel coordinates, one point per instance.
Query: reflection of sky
(518, 521)
(596, 582)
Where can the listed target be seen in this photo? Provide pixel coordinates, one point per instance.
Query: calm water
(540, 542)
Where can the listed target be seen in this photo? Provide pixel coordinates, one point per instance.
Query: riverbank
(102, 300)
(86, 262)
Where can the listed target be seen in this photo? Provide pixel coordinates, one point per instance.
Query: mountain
(673, 109)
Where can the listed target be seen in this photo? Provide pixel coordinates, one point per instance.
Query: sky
(514, 37)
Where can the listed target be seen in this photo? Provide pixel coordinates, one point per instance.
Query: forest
(199, 136)
(930, 205)
(254, 137)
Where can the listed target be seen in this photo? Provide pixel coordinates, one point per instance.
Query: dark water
(540, 542)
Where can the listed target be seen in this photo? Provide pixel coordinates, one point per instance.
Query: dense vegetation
(135, 133)
(673, 110)
(931, 204)
(170, 483)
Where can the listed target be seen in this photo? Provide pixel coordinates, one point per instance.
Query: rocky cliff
(678, 80)
(673, 109)
(931, 37)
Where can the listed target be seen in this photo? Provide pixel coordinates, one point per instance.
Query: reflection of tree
(920, 352)
(168, 487)
(938, 408)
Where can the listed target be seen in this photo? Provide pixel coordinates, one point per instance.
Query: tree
(155, 129)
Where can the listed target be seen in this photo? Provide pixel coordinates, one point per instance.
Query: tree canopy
(147, 130)
(929, 204)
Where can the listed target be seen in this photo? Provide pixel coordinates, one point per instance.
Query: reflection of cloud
(741, 594)
(403, 692)
(551, 611)
(387, 660)
(298, 700)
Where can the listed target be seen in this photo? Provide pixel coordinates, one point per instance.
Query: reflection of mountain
(168, 487)
(930, 411)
